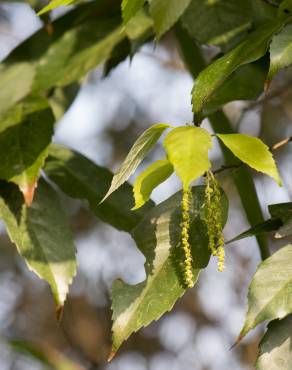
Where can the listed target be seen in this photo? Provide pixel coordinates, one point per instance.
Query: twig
(281, 143)
(230, 167)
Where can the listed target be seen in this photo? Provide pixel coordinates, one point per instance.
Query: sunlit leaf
(187, 149)
(149, 179)
(275, 348)
(55, 4)
(130, 8)
(25, 134)
(158, 238)
(281, 51)
(136, 155)
(269, 295)
(42, 236)
(253, 152)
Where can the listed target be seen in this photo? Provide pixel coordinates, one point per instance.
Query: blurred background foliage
(102, 119)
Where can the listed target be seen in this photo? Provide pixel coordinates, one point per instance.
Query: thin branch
(281, 143)
(225, 168)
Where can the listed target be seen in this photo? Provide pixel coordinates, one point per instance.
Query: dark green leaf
(158, 238)
(42, 236)
(247, 83)
(25, 135)
(281, 210)
(249, 50)
(265, 227)
(80, 178)
(217, 22)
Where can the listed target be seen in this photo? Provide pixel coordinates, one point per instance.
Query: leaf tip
(238, 340)
(111, 356)
(28, 192)
(267, 85)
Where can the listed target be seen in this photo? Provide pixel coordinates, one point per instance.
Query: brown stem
(281, 143)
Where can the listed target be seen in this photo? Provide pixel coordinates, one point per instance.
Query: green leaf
(166, 13)
(17, 79)
(149, 179)
(253, 152)
(281, 51)
(130, 8)
(55, 4)
(80, 178)
(217, 22)
(285, 8)
(281, 210)
(76, 52)
(81, 40)
(187, 149)
(269, 295)
(246, 83)
(25, 134)
(285, 230)
(249, 50)
(51, 358)
(158, 238)
(265, 227)
(62, 98)
(136, 155)
(194, 59)
(42, 236)
(275, 348)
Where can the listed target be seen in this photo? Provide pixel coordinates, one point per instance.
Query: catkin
(188, 272)
(213, 219)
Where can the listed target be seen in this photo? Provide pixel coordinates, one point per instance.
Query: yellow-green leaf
(138, 152)
(55, 4)
(149, 179)
(252, 151)
(130, 8)
(187, 149)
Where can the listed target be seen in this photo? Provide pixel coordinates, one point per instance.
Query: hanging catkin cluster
(213, 219)
(188, 272)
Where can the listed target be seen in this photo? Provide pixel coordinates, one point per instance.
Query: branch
(281, 143)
